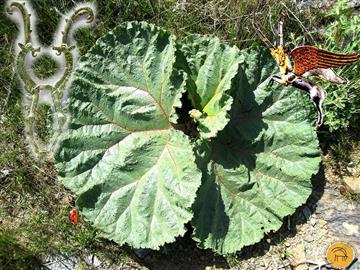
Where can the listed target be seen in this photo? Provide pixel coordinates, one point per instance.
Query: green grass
(35, 206)
(44, 67)
(342, 105)
(12, 254)
(351, 196)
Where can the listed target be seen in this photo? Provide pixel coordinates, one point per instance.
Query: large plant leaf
(134, 173)
(259, 167)
(212, 67)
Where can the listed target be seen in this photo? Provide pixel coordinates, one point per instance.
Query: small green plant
(343, 101)
(165, 131)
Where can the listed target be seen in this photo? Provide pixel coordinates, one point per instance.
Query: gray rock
(309, 238)
(313, 222)
(92, 261)
(4, 173)
(352, 184)
(61, 262)
(354, 4)
(321, 4)
(342, 217)
(351, 164)
(297, 256)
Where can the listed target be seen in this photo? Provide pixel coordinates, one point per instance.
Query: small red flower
(74, 216)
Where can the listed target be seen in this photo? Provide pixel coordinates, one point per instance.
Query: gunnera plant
(163, 132)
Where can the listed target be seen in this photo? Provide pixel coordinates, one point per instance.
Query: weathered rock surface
(342, 217)
(352, 184)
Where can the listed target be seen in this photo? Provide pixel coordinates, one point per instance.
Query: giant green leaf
(258, 168)
(134, 173)
(212, 66)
